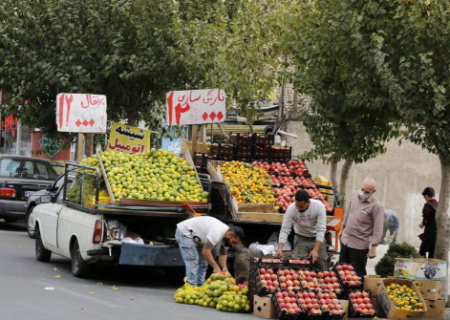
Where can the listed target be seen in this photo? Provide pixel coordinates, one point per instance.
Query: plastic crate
(261, 152)
(244, 151)
(352, 311)
(281, 154)
(201, 159)
(264, 139)
(220, 149)
(282, 314)
(220, 197)
(346, 286)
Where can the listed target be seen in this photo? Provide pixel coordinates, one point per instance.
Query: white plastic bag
(138, 240)
(265, 248)
(273, 240)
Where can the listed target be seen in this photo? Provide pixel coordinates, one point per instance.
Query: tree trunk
(334, 164)
(252, 130)
(343, 181)
(222, 130)
(89, 144)
(442, 220)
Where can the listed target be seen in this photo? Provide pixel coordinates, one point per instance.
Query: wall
(401, 173)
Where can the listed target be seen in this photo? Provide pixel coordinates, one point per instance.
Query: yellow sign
(128, 139)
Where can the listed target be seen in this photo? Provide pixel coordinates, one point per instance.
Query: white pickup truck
(70, 224)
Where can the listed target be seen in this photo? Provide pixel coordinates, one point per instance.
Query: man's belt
(309, 238)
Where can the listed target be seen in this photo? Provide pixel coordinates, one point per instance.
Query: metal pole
(19, 137)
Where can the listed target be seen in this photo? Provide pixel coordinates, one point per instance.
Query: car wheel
(42, 254)
(30, 223)
(9, 220)
(80, 268)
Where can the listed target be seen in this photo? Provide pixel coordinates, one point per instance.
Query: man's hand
(421, 225)
(314, 255)
(372, 252)
(279, 253)
(217, 270)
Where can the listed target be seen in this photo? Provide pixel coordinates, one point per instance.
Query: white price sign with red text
(195, 107)
(81, 112)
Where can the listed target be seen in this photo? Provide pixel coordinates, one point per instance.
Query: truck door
(51, 221)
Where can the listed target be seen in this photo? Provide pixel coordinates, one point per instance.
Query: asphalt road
(30, 289)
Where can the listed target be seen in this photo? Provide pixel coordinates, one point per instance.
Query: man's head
(233, 236)
(302, 200)
(428, 193)
(368, 188)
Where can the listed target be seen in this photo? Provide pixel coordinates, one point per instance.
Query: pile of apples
(309, 279)
(287, 302)
(361, 302)
(269, 279)
(329, 282)
(289, 279)
(273, 167)
(309, 302)
(298, 167)
(348, 275)
(330, 303)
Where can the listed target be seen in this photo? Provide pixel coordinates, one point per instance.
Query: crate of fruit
(347, 276)
(328, 281)
(286, 306)
(242, 139)
(289, 279)
(330, 303)
(264, 139)
(222, 149)
(360, 304)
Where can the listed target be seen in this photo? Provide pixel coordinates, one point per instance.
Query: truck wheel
(80, 268)
(42, 254)
(30, 223)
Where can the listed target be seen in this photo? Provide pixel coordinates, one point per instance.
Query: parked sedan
(19, 178)
(35, 199)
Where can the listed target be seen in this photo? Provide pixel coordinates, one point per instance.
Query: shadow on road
(16, 226)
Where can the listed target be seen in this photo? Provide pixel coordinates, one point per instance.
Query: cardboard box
(263, 307)
(373, 283)
(389, 307)
(435, 309)
(345, 305)
(430, 290)
(421, 269)
(378, 309)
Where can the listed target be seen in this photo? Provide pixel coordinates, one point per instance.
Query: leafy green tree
(112, 47)
(228, 45)
(410, 48)
(344, 113)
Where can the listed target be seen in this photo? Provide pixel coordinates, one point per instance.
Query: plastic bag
(137, 240)
(273, 240)
(267, 249)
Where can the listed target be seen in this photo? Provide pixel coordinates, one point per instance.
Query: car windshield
(27, 169)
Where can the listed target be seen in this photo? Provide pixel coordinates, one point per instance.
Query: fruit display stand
(192, 207)
(245, 212)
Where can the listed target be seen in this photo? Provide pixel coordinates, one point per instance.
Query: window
(27, 169)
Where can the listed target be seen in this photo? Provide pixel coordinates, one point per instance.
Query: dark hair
(429, 191)
(237, 232)
(302, 195)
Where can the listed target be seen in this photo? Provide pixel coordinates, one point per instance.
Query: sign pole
(80, 147)
(194, 138)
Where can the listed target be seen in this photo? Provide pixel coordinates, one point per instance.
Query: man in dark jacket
(428, 237)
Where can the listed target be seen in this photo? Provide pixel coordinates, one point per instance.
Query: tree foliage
(112, 47)
(228, 45)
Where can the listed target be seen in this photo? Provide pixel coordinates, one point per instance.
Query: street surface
(30, 289)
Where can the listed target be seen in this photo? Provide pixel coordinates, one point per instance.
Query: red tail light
(7, 192)
(97, 238)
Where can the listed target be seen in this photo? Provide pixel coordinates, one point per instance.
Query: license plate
(27, 193)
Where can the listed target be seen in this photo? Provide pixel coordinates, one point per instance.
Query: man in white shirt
(197, 237)
(308, 217)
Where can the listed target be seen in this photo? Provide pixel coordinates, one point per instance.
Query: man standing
(309, 219)
(428, 237)
(392, 224)
(197, 237)
(362, 228)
